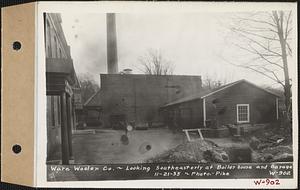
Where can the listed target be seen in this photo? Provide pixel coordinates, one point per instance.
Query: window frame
(237, 113)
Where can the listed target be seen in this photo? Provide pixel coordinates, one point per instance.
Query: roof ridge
(215, 91)
(223, 87)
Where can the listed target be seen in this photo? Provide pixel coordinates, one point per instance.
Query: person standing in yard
(124, 138)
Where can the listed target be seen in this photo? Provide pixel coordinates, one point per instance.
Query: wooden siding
(53, 128)
(262, 104)
(189, 114)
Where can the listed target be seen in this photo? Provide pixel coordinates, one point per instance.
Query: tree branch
(250, 68)
(154, 64)
(255, 34)
(289, 48)
(261, 56)
(274, 74)
(257, 43)
(258, 21)
(287, 25)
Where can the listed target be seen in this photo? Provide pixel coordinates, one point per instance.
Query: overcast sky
(195, 43)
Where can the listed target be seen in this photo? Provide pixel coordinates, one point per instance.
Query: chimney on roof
(112, 53)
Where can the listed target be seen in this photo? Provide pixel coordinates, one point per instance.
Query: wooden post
(187, 135)
(200, 134)
(64, 130)
(186, 131)
(238, 130)
(277, 111)
(74, 118)
(204, 113)
(70, 124)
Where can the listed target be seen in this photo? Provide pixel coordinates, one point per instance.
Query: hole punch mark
(16, 45)
(16, 149)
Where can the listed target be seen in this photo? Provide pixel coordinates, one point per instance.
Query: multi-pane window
(243, 113)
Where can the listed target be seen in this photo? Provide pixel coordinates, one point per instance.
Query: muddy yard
(267, 144)
(106, 146)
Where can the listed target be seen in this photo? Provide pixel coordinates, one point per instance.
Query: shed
(240, 102)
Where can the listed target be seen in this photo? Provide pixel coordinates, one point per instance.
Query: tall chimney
(112, 53)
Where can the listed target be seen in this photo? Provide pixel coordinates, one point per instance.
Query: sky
(195, 43)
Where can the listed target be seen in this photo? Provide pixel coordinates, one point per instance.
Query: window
(243, 114)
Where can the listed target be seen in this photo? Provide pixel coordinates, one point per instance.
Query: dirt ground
(106, 147)
(162, 145)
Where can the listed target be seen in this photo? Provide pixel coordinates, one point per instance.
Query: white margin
(144, 7)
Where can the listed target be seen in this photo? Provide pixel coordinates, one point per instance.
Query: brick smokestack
(112, 52)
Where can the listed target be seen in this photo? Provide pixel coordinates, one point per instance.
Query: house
(240, 102)
(61, 85)
(136, 98)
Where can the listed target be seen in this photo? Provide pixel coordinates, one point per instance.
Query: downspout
(277, 111)
(204, 113)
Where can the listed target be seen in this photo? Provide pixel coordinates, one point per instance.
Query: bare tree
(153, 63)
(88, 86)
(266, 37)
(211, 82)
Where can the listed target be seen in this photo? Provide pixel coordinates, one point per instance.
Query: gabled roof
(207, 93)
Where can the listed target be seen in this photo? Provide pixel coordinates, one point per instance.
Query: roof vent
(126, 71)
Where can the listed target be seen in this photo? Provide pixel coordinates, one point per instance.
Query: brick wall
(139, 97)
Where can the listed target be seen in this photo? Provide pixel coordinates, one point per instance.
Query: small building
(78, 108)
(136, 98)
(240, 102)
(61, 85)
